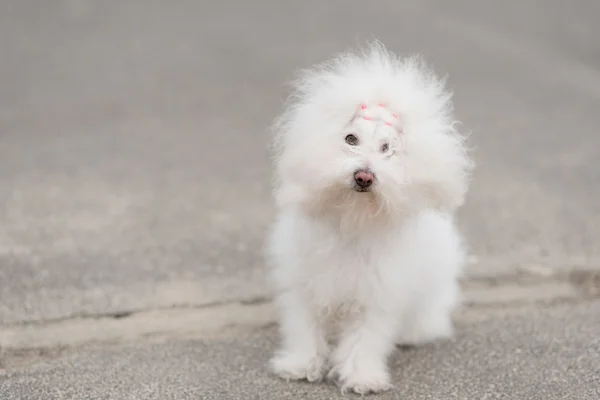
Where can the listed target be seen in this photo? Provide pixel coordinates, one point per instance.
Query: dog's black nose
(364, 178)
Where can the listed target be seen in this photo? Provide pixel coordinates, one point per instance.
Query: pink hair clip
(388, 123)
(367, 118)
(363, 106)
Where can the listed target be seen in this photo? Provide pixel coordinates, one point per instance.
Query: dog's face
(380, 161)
(371, 140)
(367, 150)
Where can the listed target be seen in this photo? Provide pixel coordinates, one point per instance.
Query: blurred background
(134, 170)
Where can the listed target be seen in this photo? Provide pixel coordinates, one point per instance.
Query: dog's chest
(340, 278)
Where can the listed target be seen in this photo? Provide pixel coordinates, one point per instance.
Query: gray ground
(135, 193)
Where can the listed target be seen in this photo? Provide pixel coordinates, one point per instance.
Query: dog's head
(372, 135)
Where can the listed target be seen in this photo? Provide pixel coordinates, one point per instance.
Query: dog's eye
(385, 147)
(351, 139)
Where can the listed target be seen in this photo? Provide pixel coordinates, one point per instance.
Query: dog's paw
(365, 385)
(373, 381)
(293, 367)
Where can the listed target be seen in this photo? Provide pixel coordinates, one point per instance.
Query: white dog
(369, 171)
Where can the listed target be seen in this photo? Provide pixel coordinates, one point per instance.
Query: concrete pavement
(532, 353)
(134, 189)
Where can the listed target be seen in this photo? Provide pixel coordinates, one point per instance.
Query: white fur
(366, 269)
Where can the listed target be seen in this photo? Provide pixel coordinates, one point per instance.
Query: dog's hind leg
(432, 319)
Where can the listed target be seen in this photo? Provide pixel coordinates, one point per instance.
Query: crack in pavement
(129, 312)
(24, 343)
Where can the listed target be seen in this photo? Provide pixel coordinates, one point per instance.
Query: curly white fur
(368, 269)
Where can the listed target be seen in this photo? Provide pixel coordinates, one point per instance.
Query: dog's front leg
(303, 354)
(360, 360)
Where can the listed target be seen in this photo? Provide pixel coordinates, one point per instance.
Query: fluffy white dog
(364, 251)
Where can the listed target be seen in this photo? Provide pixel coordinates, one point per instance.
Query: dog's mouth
(360, 189)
